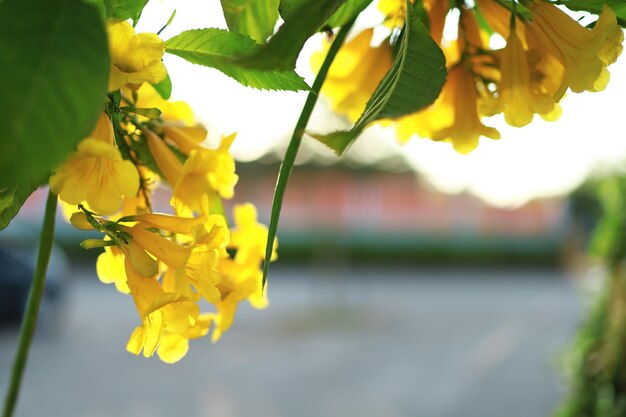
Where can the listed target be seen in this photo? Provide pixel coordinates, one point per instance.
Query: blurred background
(411, 280)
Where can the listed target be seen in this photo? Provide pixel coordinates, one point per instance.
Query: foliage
(52, 98)
(217, 48)
(413, 82)
(596, 363)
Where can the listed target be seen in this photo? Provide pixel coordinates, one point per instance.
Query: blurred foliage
(596, 364)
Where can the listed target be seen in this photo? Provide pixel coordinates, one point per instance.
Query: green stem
(296, 139)
(29, 321)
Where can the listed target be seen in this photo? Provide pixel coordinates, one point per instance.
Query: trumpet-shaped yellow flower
(110, 269)
(584, 53)
(160, 312)
(354, 74)
(519, 99)
(135, 58)
(206, 172)
(239, 282)
(460, 94)
(173, 347)
(249, 236)
(96, 173)
(499, 18)
(186, 138)
(241, 276)
(169, 164)
(177, 117)
(171, 111)
(166, 251)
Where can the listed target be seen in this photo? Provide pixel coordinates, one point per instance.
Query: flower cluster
(547, 52)
(170, 264)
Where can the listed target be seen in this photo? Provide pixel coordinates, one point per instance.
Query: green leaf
(164, 88)
(124, 9)
(11, 200)
(55, 66)
(216, 48)
(350, 10)
(413, 82)
(288, 8)
(169, 22)
(294, 144)
(282, 50)
(254, 18)
(595, 7)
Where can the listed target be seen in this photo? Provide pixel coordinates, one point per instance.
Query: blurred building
(369, 214)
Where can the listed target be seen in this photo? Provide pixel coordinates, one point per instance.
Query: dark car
(18, 254)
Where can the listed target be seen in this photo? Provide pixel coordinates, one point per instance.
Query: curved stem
(35, 294)
(296, 139)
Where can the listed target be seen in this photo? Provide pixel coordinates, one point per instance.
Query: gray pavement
(340, 342)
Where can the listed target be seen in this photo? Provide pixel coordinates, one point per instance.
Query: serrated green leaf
(254, 18)
(124, 9)
(217, 48)
(282, 50)
(164, 88)
(348, 11)
(11, 200)
(413, 82)
(55, 66)
(595, 7)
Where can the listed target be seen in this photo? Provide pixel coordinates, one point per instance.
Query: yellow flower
(135, 59)
(460, 94)
(249, 236)
(171, 111)
(206, 172)
(170, 166)
(186, 138)
(110, 268)
(200, 270)
(166, 251)
(160, 312)
(238, 283)
(173, 347)
(394, 12)
(354, 74)
(445, 119)
(499, 18)
(96, 173)
(241, 276)
(584, 53)
(518, 97)
(178, 122)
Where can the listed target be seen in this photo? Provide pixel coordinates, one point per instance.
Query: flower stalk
(296, 139)
(29, 321)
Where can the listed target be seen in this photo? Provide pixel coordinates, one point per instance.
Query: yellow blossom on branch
(96, 174)
(584, 53)
(354, 74)
(519, 97)
(460, 94)
(135, 58)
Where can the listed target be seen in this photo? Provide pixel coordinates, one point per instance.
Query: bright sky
(541, 159)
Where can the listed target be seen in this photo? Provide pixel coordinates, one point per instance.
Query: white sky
(541, 159)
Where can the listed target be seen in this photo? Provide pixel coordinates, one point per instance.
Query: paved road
(334, 343)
